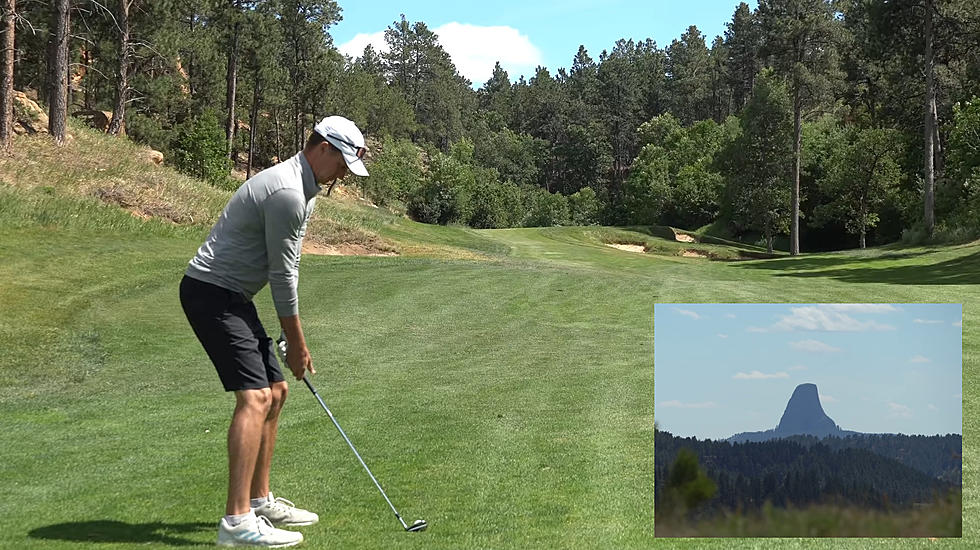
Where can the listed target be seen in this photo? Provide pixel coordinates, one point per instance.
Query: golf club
(419, 524)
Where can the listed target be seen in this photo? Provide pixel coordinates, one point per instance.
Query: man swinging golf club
(257, 240)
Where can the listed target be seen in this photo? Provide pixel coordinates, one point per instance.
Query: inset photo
(808, 420)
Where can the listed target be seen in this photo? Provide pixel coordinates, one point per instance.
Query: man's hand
(299, 361)
(297, 356)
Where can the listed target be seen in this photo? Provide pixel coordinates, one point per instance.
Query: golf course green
(499, 383)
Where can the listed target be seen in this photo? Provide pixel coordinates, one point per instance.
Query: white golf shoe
(283, 513)
(256, 531)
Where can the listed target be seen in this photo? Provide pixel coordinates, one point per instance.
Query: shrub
(445, 196)
(695, 196)
(488, 208)
(200, 150)
(646, 193)
(583, 207)
(546, 209)
(396, 175)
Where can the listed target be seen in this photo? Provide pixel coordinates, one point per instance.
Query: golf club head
(419, 525)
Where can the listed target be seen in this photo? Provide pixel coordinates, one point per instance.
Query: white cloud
(473, 48)
(722, 336)
(813, 346)
(687, 313)
(829, 319)
(355, 46)
(932, 407)
(928, 321)
(756, 375)
(896, 409)
(730, 315)
(797, 367)
(827, 398)
(756, 329)
(678, 405)
(862, 308)
(958, 324)
(920, 359)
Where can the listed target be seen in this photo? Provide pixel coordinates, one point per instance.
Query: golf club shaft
(358, 455)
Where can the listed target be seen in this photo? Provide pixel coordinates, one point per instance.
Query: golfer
(257, 240)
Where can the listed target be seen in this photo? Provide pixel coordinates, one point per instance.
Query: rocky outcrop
(803, 416)
(30, 117)
(156, 157)
(98, 120)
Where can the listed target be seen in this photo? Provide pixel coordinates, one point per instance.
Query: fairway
(506, 399)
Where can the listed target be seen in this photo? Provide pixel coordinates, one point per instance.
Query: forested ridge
(877, 470)
(831, 123)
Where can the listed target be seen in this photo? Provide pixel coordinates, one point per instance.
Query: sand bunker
(344, 249)
(684, 238)
(690, 253)
(628, 247)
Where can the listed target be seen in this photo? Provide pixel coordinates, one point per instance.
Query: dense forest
(809, 125)
(878, 471)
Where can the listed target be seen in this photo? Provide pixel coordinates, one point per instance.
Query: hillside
(498, 382)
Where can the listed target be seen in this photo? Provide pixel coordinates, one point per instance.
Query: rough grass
(941, 519)
(508, 402)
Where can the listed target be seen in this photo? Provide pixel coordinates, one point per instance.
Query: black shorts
(228, 327)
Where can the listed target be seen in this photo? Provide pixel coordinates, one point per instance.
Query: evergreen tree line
(828, 122)
(939, 456)
(785, 472)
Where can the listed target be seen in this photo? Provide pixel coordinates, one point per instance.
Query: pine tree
(58, 70)
(7, 122)
(117, 124)
(800, 39)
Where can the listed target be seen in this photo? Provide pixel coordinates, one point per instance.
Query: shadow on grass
(787, 263)
(118, 531)
(964, 270)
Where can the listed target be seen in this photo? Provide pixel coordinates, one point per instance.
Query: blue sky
(720, 369)
(524, 34)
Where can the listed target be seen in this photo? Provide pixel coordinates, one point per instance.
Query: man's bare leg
(260, 479)
(244, 440)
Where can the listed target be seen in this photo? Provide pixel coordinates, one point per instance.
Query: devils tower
(803, 416)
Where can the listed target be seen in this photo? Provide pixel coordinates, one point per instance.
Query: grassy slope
(508, 402)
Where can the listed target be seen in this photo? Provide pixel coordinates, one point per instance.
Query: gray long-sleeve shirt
(259, 235)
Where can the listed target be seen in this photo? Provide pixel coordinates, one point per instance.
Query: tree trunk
(278, 136)
(862, 238)
(85, 80)
(794, 230)
(769, 240)
(7, 76)
(58, 72)
(117, 124)
(930, 123)
(297, 128)
(939, 162)
(252, 123)
(232, 81)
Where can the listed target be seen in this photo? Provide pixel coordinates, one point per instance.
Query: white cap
(344, 135)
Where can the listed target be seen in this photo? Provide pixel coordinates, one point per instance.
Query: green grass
(501, 390)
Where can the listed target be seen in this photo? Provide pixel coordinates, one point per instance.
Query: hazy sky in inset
(721, 369)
